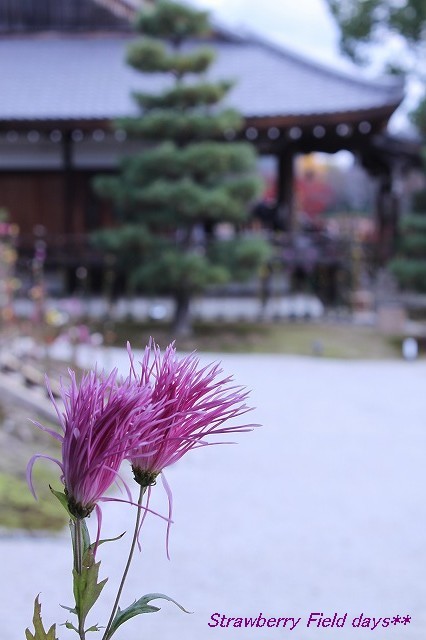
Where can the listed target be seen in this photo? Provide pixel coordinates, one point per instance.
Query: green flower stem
(128, 563)
(78, 560)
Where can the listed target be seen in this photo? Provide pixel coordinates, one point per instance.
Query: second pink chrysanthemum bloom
(190, 402)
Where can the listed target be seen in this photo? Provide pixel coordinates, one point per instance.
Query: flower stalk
(78, 556)
(150, 420)
(142, 490)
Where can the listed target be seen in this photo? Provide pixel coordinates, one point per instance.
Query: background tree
(402, 25)
(394, 26)
(409, 265)
(171, 197)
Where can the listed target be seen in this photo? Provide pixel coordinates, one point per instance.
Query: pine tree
(171, 196)
(409, 265)
(364, 25)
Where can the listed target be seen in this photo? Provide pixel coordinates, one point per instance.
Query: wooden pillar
(68, 188)
(285, 205)
(387, 215)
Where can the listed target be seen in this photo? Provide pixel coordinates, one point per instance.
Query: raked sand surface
(322, 509)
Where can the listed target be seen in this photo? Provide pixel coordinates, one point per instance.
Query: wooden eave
(63, 125)
(377, 114)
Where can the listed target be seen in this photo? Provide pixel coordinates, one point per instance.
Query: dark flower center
(78, 510)
(143, 477)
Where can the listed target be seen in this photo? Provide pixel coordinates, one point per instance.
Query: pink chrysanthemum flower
(190, 404)
(99, 431)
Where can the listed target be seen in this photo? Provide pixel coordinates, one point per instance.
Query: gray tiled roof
(83, 77)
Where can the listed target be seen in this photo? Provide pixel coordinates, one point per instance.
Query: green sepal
(138, 607)
(39, 632)
(94, 628)
(63, 499)
(86, 587)
(69, 625)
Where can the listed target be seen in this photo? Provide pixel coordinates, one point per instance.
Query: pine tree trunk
(182, 325)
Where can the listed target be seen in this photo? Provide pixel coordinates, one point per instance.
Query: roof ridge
(121, 8)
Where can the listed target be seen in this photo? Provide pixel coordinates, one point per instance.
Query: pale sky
(302, 25)
(306, 27)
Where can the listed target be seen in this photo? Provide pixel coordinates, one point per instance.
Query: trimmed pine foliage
(409, 266)
(171, 197)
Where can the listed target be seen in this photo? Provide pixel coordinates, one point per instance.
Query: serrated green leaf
(94, 628)
(69, 625)
(137, 608)
(87, 589)
(39, 632)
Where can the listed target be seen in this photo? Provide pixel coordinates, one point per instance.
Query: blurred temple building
(64, 80)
